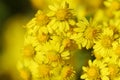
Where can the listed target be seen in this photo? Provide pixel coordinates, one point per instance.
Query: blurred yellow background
(13, 16)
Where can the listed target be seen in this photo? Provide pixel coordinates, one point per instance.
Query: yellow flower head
(91, 72)
(90, 36)
(61, 11)
(41, 18)
(105, 44)
(61, 18)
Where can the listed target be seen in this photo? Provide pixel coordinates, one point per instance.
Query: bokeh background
(14, 14)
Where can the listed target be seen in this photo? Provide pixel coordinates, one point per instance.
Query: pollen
(63, 14)
(41, 18)
(92, 72)
(28, 50)
(44, 70)
(90, 33)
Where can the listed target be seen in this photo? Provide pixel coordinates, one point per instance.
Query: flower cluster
(53, 36)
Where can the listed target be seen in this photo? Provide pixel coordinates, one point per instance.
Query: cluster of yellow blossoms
(53, 36)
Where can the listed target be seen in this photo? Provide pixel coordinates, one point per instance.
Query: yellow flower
(90, 35)
(38, 23)
(61, 16)
(55, 35)
(105, 44)
(91, 72)
(97, 70)
(41, 18)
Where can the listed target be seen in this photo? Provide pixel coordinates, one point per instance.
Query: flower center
(107, 41)
(63, 14)
(28, 50)
(42, 18)
(92, 72)
(42, 37)
(90, 33)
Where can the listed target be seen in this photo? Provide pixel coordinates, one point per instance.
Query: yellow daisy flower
(61, 16)
(105, 44)
(97, 70)
(91, 72)
(90, 35)
(41, 18)
(39, 22)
